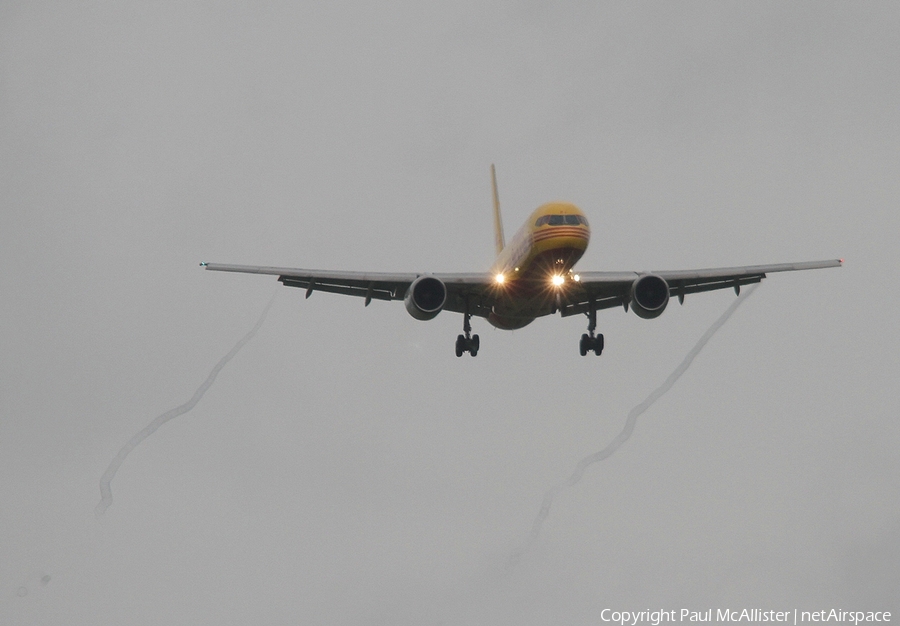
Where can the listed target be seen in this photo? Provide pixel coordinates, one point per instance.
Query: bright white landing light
(557, 280)
(499, 278)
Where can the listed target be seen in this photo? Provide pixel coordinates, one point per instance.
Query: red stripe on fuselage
(572, 232)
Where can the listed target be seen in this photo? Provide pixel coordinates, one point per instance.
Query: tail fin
(499, 241)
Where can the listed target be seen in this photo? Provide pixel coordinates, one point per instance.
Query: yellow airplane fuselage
(536, 262)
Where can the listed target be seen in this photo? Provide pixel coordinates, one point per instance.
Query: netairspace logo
(752, 616)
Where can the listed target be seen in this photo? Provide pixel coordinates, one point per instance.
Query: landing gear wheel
(590, 343)
(467, 342)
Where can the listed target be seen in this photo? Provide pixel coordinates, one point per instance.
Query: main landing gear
(589, 342)
(468, 342)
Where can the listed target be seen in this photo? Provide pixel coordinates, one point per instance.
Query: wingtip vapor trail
(110, 473)
(626, 431)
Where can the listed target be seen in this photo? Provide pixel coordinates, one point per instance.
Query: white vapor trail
(110, 473)
(623, 436)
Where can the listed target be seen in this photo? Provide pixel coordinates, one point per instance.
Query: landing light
(557, 280)
(576, 278)
(499, 278)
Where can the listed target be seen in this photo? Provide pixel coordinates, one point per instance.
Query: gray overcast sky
(346, 467)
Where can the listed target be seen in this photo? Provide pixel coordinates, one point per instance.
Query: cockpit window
(559, 220)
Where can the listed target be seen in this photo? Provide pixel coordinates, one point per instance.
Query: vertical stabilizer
(498, 221)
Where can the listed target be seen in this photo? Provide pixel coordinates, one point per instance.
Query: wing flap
(584, 306)
(682, 288)
(370, 291)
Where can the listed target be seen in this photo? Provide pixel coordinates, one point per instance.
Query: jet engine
(425, 297)
(649, 296)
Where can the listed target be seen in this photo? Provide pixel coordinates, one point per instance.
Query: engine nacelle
(649, 296)
(425, 297)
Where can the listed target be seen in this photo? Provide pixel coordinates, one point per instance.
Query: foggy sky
(345, 467)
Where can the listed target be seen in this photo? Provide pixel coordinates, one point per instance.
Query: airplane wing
(378, 285)
(610, 289)
(476, 291)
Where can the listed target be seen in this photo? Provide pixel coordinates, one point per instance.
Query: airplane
(533, 276)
